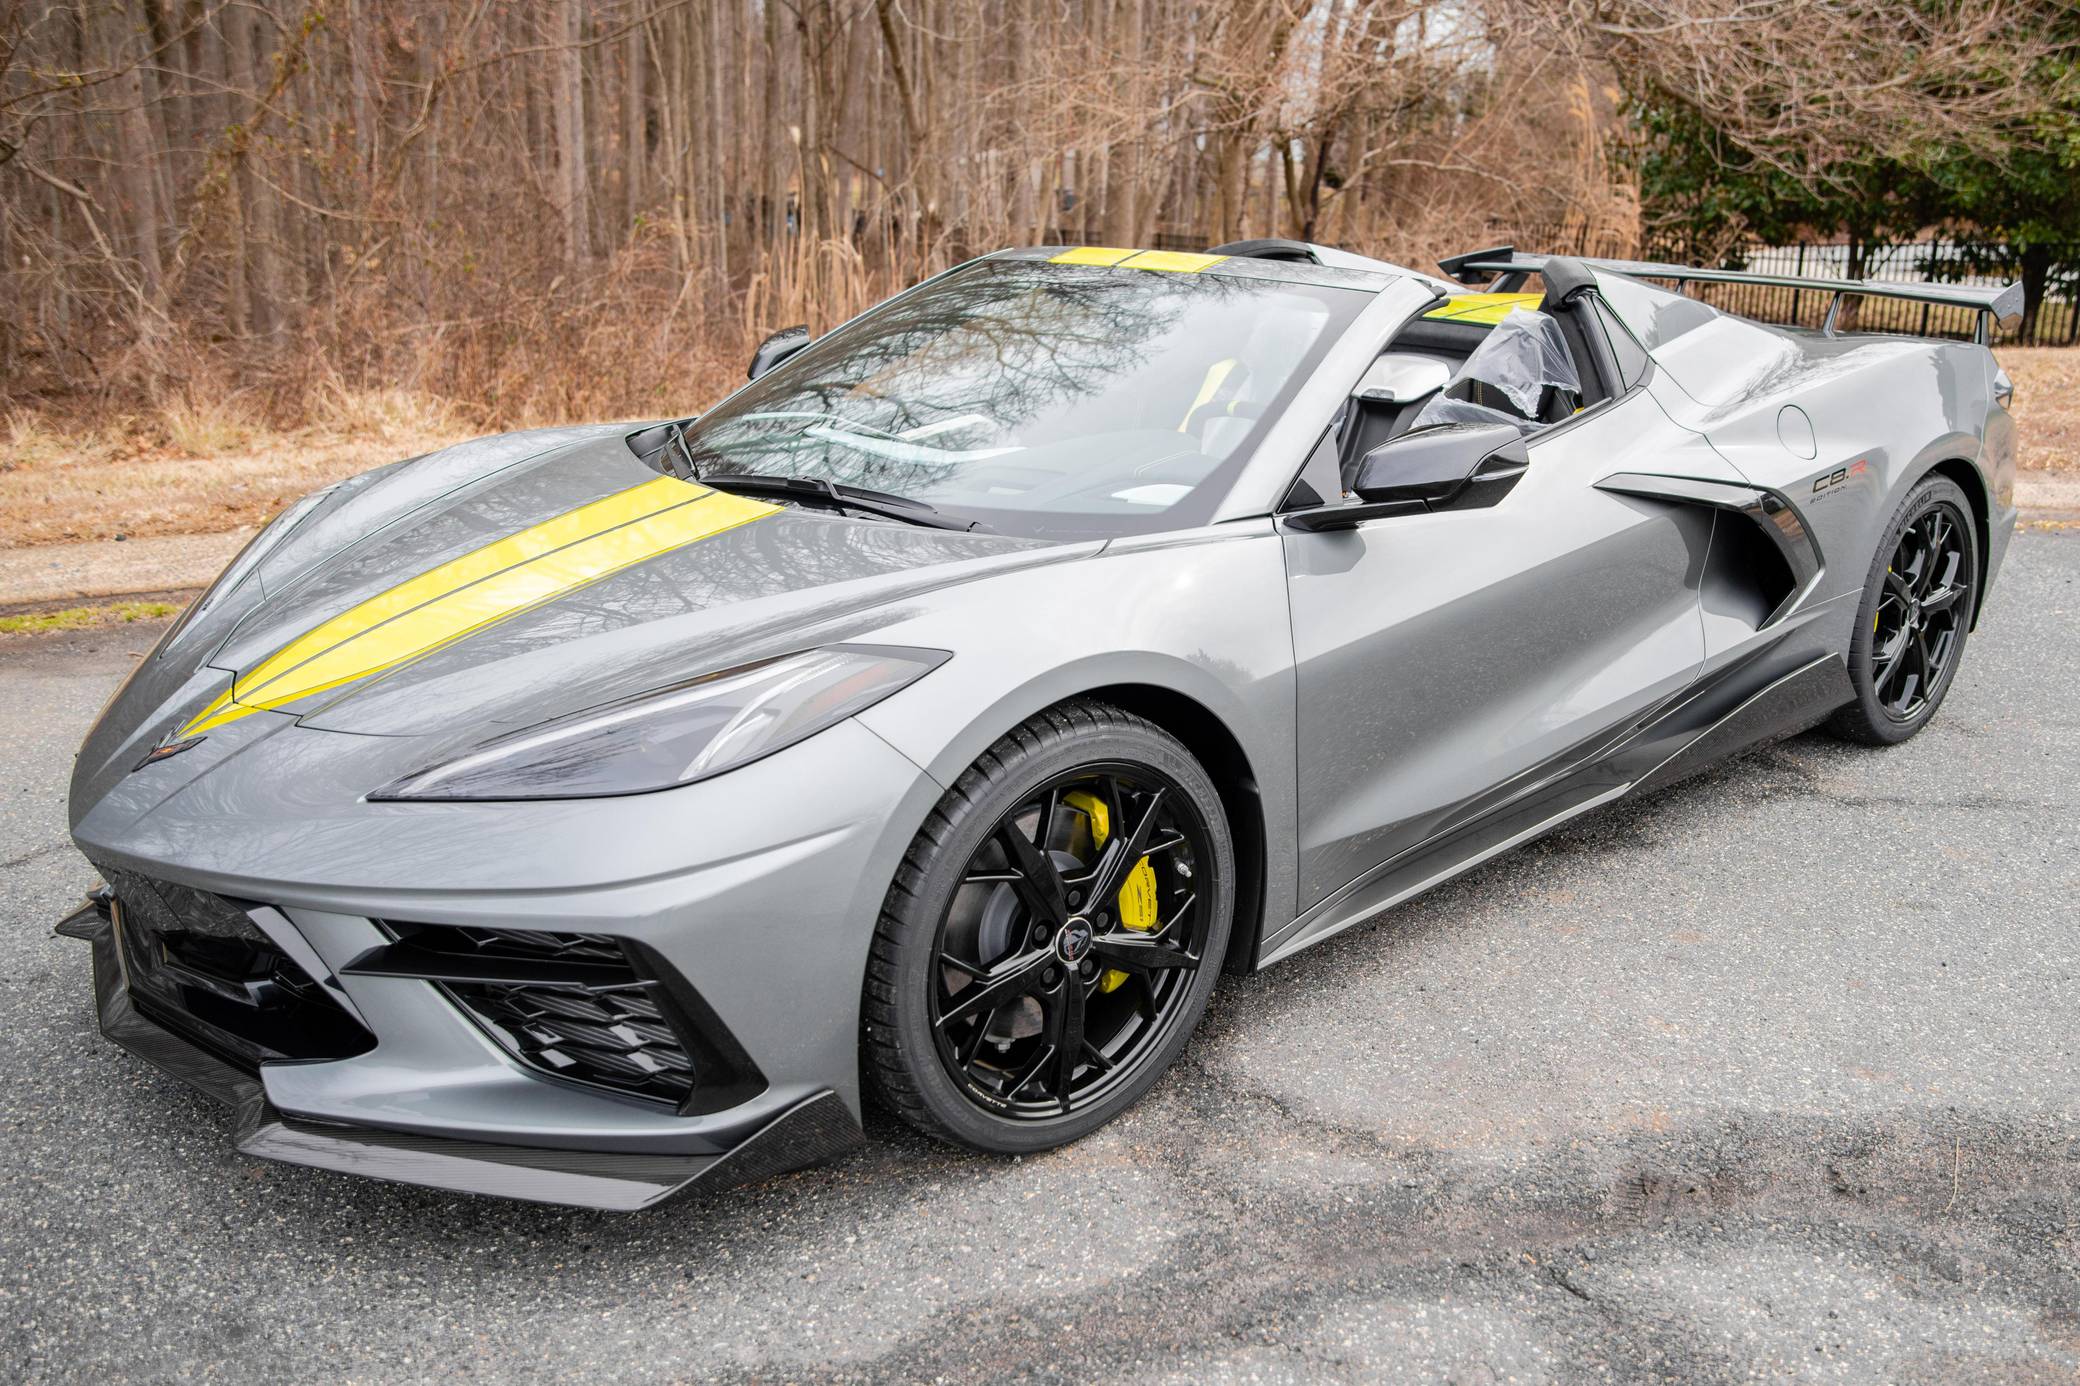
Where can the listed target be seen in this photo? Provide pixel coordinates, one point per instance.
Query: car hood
(506, 581)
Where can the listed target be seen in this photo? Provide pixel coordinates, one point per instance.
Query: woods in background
(546, 210)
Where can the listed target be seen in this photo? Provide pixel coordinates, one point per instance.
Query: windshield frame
(1208, 496)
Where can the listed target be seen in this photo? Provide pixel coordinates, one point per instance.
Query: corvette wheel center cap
(1073, 943)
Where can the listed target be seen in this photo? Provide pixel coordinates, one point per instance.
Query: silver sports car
(586, 814)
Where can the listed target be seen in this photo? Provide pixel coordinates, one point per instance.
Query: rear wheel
(1915, 616)
(1050, 941)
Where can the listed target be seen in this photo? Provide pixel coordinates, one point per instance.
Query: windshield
(1039, 399)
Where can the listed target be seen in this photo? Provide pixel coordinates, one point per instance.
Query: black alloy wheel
(1049, 994)
(1920, 614)
(1073, 916)
(1915, 617)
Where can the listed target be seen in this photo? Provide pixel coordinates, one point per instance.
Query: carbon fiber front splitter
(814, 1129)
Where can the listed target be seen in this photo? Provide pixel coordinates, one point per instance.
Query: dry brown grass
(2047, 405)
(135, 477)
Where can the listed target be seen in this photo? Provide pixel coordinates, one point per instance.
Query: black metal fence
(2055, 321)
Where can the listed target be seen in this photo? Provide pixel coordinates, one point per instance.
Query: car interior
(1440, 342)
(1435, 355)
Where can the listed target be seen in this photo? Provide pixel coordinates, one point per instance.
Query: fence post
(1800, 271)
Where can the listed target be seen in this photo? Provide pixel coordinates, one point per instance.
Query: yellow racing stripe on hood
(480, 588)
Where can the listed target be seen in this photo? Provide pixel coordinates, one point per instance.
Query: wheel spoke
(1005, 983)
(1942, 599)
(1065, 1035)
(1939, 546)
(1032, 1070)
(1925, 551)
(974, 970)
(1886, 671)
(1120, 855)
(1145, 995)
(1039, 881)
(967, 1052)
(1913, 668)
(1139, 953)
(1157, 848)
(1946, 641)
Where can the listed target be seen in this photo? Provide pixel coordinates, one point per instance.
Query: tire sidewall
(974, 808)
(1872, 721)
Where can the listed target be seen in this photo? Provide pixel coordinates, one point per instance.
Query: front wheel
(1916, 613)
(1051, 939)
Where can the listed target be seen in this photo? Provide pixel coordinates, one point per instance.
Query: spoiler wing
(2003, 304)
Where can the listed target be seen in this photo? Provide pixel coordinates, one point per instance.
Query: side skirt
(1714, 719)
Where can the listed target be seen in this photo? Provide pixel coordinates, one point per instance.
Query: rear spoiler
(2002, 304)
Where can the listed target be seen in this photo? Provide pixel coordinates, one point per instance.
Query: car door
(1448, 661)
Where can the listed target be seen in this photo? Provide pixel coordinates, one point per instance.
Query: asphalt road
(1774, 1074)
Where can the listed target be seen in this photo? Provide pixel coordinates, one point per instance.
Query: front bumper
(812, 1129)
(765, 917)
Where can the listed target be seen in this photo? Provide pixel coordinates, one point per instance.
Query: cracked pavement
(1772, 1074)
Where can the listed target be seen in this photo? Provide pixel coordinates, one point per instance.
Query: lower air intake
(610, 1036)
(587, 1008)
(196, 963)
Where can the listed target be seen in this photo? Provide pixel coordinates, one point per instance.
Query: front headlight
(679, 734)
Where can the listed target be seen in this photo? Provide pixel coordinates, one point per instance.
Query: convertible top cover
(1524, 359)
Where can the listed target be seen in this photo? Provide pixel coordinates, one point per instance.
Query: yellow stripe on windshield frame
(479, 589)
(1482, 310)
(1092, 255)
(1171, 261)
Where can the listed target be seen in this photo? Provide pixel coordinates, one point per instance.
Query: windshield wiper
(812, 491)
(675, 436)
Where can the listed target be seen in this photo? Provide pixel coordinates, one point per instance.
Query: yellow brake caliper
(1137, 898)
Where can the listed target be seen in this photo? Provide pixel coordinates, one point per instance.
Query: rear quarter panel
(1845, 426)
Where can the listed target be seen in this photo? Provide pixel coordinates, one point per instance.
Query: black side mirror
(1453, 467)
(777, 348)
(1456, 467)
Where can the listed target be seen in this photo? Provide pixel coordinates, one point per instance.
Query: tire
(945, 1059)
(1928, 554)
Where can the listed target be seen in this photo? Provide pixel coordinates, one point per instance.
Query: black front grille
(196, 963)
(524, 943)
(612, 1036)
(588, 1008)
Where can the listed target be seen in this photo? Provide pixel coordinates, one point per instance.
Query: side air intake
(1764, 558)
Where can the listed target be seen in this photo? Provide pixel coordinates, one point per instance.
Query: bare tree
(588, 205)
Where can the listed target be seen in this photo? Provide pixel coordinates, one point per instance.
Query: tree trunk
(2036, 274)
(635, 118)
(260, 231)
(569, 114)
(136, 180)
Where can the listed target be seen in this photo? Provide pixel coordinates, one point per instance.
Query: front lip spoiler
(814, 1129)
